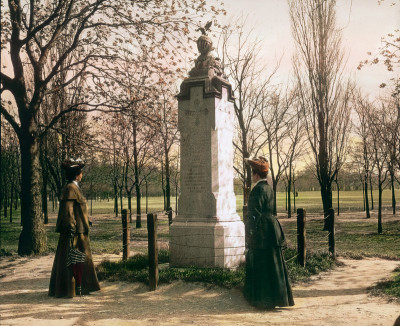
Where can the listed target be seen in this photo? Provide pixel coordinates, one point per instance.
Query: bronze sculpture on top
(206, 63)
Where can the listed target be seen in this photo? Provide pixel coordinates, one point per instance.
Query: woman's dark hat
(71, 165)
(259, 164)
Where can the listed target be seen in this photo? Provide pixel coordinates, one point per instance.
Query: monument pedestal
(207, 231)
(206, 244)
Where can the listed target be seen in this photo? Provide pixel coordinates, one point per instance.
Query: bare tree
(381, 154)
(241, 57)
(93, 32)
(295, 148)
(390, 137)
(277, 121)
(166, 124)
(362, 128)
(324, 96)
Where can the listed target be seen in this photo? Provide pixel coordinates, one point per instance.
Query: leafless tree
(241, 57)
(92, 32)
(277, 123)
(362, 128)
(324, 96)
(380, 152)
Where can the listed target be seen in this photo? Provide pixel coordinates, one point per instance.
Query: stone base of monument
(206, 243)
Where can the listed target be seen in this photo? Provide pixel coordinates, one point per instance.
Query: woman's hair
(262, 174)
(71, 174)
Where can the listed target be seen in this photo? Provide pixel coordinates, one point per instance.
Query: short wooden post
(125, 234)
(301, 236)
(331, 230)
(169, 212)
(152, 250)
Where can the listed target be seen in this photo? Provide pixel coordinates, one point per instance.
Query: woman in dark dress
(73, 226)
(266, 283)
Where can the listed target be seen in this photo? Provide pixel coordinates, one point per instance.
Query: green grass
(353, 239)
(350, 201)
(135, 270)
(356, 238)
(390, 288)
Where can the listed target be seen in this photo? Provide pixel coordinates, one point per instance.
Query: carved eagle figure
(204, 29)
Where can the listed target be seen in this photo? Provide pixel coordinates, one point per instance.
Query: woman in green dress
(266, 283)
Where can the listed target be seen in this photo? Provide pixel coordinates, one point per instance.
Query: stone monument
(207, 231)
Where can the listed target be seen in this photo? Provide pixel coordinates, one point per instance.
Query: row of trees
(96, 79)
(68, 54)
(313, 120)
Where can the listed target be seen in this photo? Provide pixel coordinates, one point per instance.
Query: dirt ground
(338, 297)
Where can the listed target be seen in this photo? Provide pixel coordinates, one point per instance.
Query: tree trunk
(247, 185)
(294, 196)
(116, 200)
(338, 198)
(147, 197)
(289, 190)
(176, 198)
(162, 184)
(137, 181)
(274, 186)
(5, 201)
(393, 192)
(44, 197)
(372, 197)
(167, 179)
(326, 195)
(138, 207)
(33, 238)
(120, 199)
(11, 202)
(368, 215)
(129, 194)
(286, 197)
(363, 194)
(380, 190)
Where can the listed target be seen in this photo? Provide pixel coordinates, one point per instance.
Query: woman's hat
(259, 164)
(71, 165)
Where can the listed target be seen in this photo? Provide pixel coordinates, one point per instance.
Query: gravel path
(338, 297)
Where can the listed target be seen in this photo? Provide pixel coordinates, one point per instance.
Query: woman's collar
(260, 181)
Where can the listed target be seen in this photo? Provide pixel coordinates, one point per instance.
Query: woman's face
(79, 177)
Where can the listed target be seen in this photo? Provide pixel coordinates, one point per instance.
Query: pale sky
(364, 22)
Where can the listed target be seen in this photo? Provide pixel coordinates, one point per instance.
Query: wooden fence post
(125, 234)
(169, 212)
(301, 236)
(331, 230)
(152, 250)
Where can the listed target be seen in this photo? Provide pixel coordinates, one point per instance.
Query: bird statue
(204, 29)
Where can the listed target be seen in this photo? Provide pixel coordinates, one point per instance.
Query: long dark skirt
(267, 283)
(62, 282)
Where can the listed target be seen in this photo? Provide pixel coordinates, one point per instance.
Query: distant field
(310, 200)
(356, 236)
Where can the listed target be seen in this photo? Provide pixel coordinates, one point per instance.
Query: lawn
(356, 237)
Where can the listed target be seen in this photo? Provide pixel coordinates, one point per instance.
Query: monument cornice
(212, 87)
